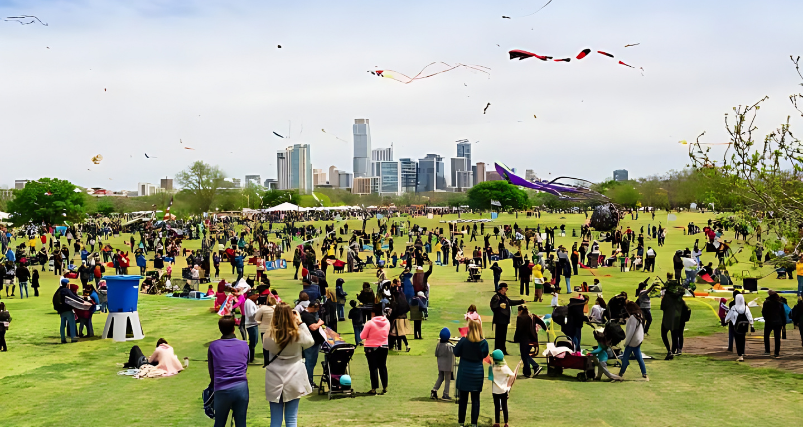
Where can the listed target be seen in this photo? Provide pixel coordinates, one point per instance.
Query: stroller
(474, 273)
(337, 355)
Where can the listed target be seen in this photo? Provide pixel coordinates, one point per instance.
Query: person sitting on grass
(164, 358)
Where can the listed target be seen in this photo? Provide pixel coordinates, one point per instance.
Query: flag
(495, 203)
(167, 211)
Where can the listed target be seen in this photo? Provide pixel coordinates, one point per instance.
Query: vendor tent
(286, 206)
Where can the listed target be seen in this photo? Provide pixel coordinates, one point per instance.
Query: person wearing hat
(499, 374)
(60, 304)
(444, 352)
(774, 320)
(500, 305)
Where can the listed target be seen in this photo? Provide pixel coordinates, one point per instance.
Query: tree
(202, 181)
(509, 196)
(48, 200)
(625, 195)
(273, 198)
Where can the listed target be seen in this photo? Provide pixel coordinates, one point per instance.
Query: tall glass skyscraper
(464, 150)
(362, 148)
(294, 167)
(431, 174)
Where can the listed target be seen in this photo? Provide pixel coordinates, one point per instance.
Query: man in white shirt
(249, 308)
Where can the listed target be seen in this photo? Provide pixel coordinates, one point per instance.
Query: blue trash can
(122, 293)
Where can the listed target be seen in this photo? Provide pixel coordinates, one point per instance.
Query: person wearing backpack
(634, 336)
(774, 321)
(797, 317)
(740, 320)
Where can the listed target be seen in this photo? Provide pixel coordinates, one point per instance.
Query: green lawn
(44, 383)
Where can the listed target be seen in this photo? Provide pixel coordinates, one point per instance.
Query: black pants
(500, 402)
(775, 329)
(417, 329)
(679, 333)
(674, 345)
(462, 405)
(524, 287)
(740, 340)
(647, 314)
(500, 337)
(299, 265)
(3, 345)
(397, 342)
(574, 267)
(377, 365)
(36, 291)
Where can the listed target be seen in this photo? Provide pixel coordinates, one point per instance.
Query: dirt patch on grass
(715, 346)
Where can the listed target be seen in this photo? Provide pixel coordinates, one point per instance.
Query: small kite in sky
(684, 142)
(531, 14)
(605, 53)
(486, 108)
(278, 135)
(523, 54)
(149, 157)
(583, 53)
(97, 159)
(634, 44)
(534, 116)
(403, 78)
(188, 148)
(22, 18)
(622, 63)
(280, 46)
(505, 17)
(563, 60)
(334, 136)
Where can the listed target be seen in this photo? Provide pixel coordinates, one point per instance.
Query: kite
(531, 14)
(97, 159)
(565, 188)
(486, 108)
(583, 53)
(149, 157)
(280, 46)
(25, 17)
(523, 54)
(403, 78)
(278, 135)
(605, 217)
(188, 148)
(334, 136)
(563, 60)
(622, 63)
(605, 53)
(634, 44)
(684, 142)
(505, 17)
(534, 116)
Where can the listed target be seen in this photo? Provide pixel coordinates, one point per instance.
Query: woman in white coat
(739, 320)
(285, 375)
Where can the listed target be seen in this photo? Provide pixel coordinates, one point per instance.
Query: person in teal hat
(444, 351)
(499, 374)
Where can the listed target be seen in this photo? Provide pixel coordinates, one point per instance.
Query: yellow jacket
(537, 272)
(800, 267)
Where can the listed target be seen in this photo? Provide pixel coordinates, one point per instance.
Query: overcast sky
(122, 79)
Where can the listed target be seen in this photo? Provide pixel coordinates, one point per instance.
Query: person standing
(471, 350)
(227, 361)
(526, 335)
(500, 305)
(739, 320)
(285, 374)
(774, 320)
(634, 336)
(671, 306)
(375, 337)
(644, 304)
(23, 275)
(497, 272)
(799, 271)
(5, 320)
(60, 304)
(444, 352)
(249, 310)
(310, 319)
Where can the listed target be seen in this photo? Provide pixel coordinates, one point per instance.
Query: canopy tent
(4, 215)
(286, 206)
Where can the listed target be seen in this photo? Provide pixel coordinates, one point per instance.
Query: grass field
(44, 383)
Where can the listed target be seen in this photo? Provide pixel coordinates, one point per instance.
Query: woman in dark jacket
(526, 335)
(774, 320)
(575, 318)
(471, 350)
(497, 271)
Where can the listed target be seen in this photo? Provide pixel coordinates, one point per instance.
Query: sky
(123, 79)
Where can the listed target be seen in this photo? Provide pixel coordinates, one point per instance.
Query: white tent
(4, 215)
(286, 206)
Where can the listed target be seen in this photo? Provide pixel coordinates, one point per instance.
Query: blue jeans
(311, 359)
(568, 284)
(357, 332)
(24, 285)
(234, 399)
(691, 276)
(524, 349)
(340, 312)
(253, 338)
(68, 320)
(800, 285)
(576, 337)
(289, 410)
(636, 352)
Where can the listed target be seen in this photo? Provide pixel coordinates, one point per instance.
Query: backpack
(57, 300)
(614, 333)
(559, 315)
(742, 324)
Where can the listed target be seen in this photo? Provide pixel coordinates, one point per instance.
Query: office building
(362, 148)
(464, 181)
(382, 154)
(318, 177)
(479, 173)
(253, 180)
(334, 177)
(389, 174)
(464, 149)
(271, 184)
(431, 174)
(365, 185)
(166, 184)
(344, 179)
(409, 175)
(19, 184)
(529, 175)
(458, 164)
(620, 175)
(147, 189)
(294, 168)
(492, 176)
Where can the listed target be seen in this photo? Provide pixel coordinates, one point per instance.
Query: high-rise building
(344, 179)
(465, 180)
(166, 184)
(479, 174)
(382, 154)
(620, 175)
(294, 168)
(362, 148)
(19, 184)
(271, 184)
(431, 174)
(464, 149)
(147, 189)
(529, 175)
(334, 177)
(253, 180)
(459, 164)
(390, 180)
(318, 177)
(409, 175)
(492, 176)
(365, 185)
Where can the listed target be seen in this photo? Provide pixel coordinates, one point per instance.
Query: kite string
(450, 68)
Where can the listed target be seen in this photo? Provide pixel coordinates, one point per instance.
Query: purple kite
(565, 188)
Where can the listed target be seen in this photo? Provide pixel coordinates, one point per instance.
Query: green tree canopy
(47, 200)
(202, 181)
(625, 195)
(272, 198)
(509, 196)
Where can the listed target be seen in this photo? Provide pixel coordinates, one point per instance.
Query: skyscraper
(431, 174)
(479, 175)
(362, 148)
(389, 174)
(464, 150)
(283, 168)
(465, 180)
(318, 177)
(382, 154)
(620, 175)
(294, 168)
(458, 164)
(409, 175)
(334, 177)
